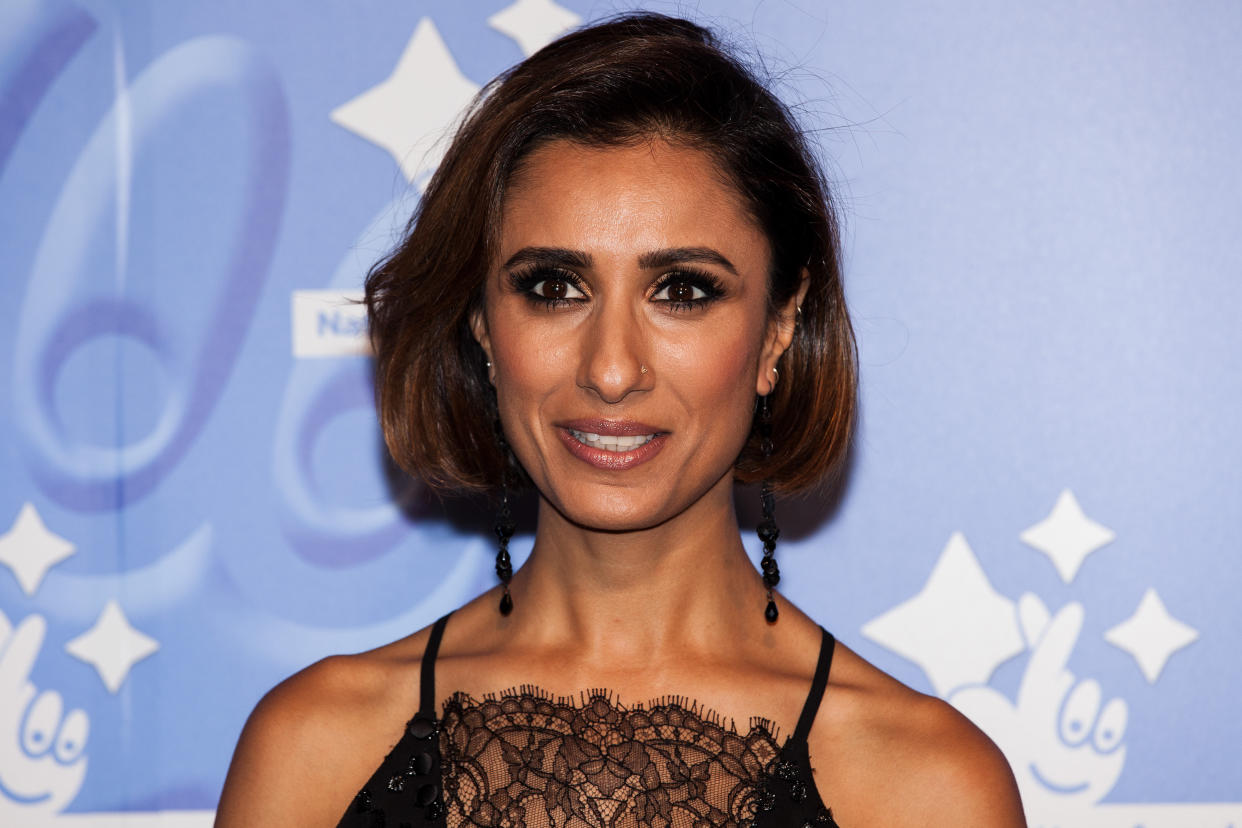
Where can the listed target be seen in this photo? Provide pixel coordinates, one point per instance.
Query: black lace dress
(526, 760)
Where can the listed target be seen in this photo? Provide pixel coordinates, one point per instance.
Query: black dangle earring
(504, 530)
(767, 529)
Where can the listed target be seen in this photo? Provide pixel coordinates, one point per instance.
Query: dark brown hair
(627, 79)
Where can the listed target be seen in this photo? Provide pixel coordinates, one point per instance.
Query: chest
(526, 759)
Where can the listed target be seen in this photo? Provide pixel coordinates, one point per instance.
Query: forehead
(627, 199)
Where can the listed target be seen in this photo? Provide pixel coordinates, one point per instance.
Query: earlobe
(780, 337)
(767, 380)
(478, 329)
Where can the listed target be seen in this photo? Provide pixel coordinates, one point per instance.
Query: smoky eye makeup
(678, 290)
(547, 285)
(687, 288)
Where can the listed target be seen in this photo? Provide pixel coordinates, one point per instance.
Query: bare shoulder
(885, 754)
(316, 737)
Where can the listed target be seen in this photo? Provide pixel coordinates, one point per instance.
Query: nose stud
(642, 369)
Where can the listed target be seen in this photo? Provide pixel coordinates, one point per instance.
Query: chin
(616, 511)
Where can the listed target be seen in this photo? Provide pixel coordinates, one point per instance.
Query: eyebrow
(564, 257)
(558, 256)
(679, 255)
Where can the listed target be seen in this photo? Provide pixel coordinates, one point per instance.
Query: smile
(1052, 786)
(23, 800)
(611, 445)
(612, 442)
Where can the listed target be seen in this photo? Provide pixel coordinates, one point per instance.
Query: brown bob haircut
(628, 79)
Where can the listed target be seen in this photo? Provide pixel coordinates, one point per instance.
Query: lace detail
(526, 759)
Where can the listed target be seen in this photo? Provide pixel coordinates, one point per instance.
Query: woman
(622, 288)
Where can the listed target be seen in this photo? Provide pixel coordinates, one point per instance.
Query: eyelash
(524, 281)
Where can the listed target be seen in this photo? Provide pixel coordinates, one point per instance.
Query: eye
(678, 290)
(1079, 713)
(555, 289)
(547, 286)
(1112, 726)
(41, 723)
(687, 288)
(72, 739)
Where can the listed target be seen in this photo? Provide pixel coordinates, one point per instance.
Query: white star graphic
(1151, 635)
(411, 111)
(533, 23)
(1067, 536)
(112, 646)
(958, 628)
(30, 549)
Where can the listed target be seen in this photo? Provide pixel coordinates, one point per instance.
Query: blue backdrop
(1043, 208)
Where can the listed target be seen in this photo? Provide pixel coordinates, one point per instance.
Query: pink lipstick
(614, 445)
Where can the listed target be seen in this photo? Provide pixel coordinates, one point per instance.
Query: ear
(779, 337)
(478, 328)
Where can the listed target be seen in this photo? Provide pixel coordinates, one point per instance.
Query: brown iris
(553, 289)
(681, 292)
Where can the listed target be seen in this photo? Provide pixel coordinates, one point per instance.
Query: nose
(612, 346)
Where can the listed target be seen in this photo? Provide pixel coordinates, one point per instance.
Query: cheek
(713, 375)
(522, 371)
(722, 368)
(532, 363)
(720, 354)
(526, 355)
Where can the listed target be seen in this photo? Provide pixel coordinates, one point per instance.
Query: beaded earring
(767, 529)
(504, 529)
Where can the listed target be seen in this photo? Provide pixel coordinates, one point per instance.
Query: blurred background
(1043, 215)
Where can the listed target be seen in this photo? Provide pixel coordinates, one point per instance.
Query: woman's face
(627, 325)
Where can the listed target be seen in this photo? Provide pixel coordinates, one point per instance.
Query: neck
(619, 594)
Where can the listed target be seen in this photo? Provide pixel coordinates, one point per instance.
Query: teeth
(612, 442)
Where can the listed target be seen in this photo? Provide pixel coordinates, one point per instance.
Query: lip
(613, 428)
(612, 460)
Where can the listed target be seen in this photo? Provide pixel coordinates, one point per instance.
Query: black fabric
(427, 679)
(528, 760)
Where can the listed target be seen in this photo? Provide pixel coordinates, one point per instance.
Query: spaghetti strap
(427, 680)
(818, 684)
